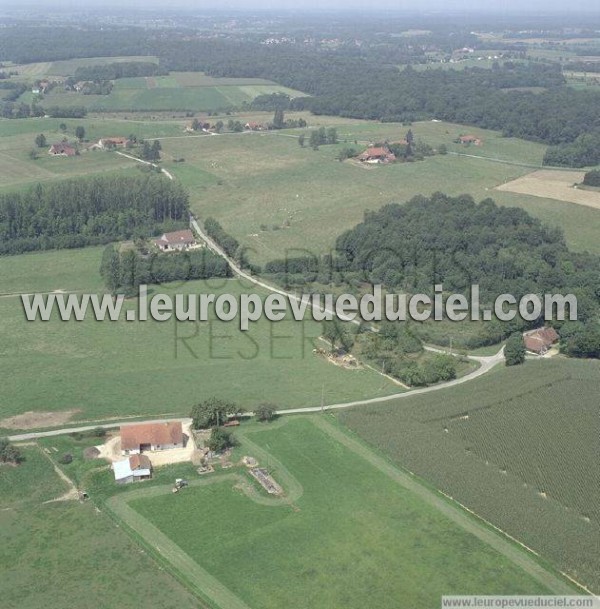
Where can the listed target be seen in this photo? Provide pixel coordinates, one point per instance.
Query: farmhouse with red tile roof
(151, 436)
(540, 340)
(377, 154)
(176, 241)
(470, 139)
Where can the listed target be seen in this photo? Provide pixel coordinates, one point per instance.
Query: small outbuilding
(132, 469)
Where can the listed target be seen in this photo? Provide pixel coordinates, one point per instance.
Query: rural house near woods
(135, 467)
(539, 341)
(136, 439)
(377, 154)
(176, 241)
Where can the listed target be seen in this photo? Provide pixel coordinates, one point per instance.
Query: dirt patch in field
(38, 420)
(553, 184)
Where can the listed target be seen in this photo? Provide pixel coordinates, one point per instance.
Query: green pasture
(56, 554)
(275, 196)
(351, 534)
(514, 446)
(105, 369)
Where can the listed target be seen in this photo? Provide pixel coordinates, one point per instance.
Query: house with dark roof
(175, 241)
(377, 154)
(540, 341)
(132, 469)
(62, 149)
(136, 439)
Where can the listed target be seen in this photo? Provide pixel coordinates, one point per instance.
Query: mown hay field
(554, 184)
(516, 446)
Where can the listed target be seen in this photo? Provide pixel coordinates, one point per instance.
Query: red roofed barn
(151, 436)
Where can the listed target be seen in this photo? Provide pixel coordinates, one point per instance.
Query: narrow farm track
(195, 577)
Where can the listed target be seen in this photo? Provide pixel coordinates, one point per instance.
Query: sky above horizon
(475, 6)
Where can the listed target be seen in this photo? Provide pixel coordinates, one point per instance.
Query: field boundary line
(204, 585)
(467, 520)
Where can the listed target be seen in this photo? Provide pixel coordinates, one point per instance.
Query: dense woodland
(121, 69)
(125, 271)
(456, 242)
(77, 213)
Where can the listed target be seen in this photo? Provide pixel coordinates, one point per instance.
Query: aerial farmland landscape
(299, 305)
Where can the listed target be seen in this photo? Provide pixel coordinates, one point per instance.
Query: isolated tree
(156, 148)
(63, 127)
(336, 333)
(219, 126)
(314, 140)
(265, 412)
(9, 453)
(220, 440)
(410, 138)
(80, 132)
(442, 149)
(301, 140)
(278, 119)
(514, 351)
(110, 268)
(195, 124)
(34, 154)
(40, 140)
(332, 136)
(212, 413)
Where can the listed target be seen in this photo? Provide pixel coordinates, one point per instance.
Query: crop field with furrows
(515, 447)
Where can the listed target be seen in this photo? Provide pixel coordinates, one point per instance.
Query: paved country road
(486, 363)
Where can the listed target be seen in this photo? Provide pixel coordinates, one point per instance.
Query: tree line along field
(516, 447)
(273, 195)
(349, 533)
(53, 551)
(105, 369)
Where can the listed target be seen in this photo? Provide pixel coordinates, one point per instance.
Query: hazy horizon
(425, 6)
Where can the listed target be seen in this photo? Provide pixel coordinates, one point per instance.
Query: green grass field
(353, 533)
(275, 196)
(514, 446)
(179, 91)
(55, 554)
(124, 368)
